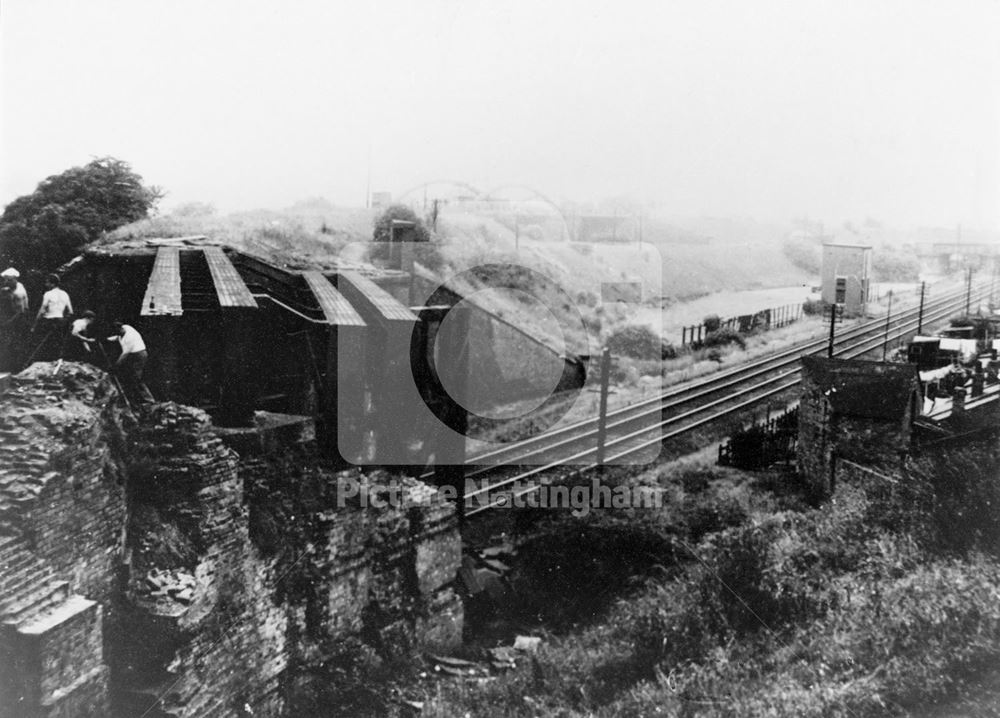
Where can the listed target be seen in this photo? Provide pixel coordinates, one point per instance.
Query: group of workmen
(56, 334)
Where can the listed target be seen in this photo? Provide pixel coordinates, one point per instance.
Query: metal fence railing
(762, 444)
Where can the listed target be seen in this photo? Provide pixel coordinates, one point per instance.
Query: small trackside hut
(846, 276)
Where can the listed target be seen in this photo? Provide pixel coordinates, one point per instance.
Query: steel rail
(864, 346)
(689, 391)
(902, 326)
(700, 387)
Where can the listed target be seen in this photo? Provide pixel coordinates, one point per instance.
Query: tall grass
(280, 237)
(844, 610)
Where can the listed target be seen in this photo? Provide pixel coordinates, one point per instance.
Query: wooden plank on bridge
(357, 286)
(229, 285)
(163, 291)
(336, 309)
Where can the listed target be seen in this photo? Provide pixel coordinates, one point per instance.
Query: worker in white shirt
(53, 315)
(131, 362)
(13, 320)
(16, 294)
(56, 306)
(81, 342)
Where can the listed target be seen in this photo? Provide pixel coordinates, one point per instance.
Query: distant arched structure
(470, 190)
(463, 192)
(535, 194)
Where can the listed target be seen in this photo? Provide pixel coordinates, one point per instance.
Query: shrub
(723, 337)
(965, 512)
(567, 573)
(624, 375)
(426, 252)
(707, 513)
(761, 575)
(893, 644)
(712, 323)
(812, 307)
(815, 613)
(638, 342)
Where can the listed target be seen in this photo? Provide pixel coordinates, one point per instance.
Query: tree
(382, 234)
(382, 231)
(48, 227)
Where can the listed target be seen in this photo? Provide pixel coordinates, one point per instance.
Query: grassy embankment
(743, 601)
(637, 379)
(309, 234)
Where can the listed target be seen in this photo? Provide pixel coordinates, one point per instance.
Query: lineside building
(846, 274)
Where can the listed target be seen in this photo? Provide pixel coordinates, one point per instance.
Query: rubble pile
(48, 409)
(170, 585)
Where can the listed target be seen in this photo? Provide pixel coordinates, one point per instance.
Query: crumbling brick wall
(272, 571)
(385, 572)
(199, 631)
(173, 577)
(828, 434)
(62, 510)
(814, 448)
(62, 484)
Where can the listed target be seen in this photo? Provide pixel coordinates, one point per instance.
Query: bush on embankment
(639, 342)
(865, 606)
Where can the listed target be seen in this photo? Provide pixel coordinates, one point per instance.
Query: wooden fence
(773, 318)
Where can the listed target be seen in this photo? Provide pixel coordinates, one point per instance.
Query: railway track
(636, 432)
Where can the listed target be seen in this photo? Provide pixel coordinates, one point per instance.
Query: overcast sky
(835, 110)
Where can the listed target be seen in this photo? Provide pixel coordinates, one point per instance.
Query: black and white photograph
(499, 359)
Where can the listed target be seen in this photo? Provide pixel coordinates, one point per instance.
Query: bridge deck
(163, 292)
(384, 304)
(229, 285)
(336, 309)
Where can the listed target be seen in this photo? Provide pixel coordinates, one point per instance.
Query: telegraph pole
(968, 292)
(833, 320)
(888, 319)
(993, 282)
(920, 315)
(602, 419)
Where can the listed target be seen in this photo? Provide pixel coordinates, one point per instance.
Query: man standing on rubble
(10, 281)
(53, 314)
(131, 362)
(13, 319)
